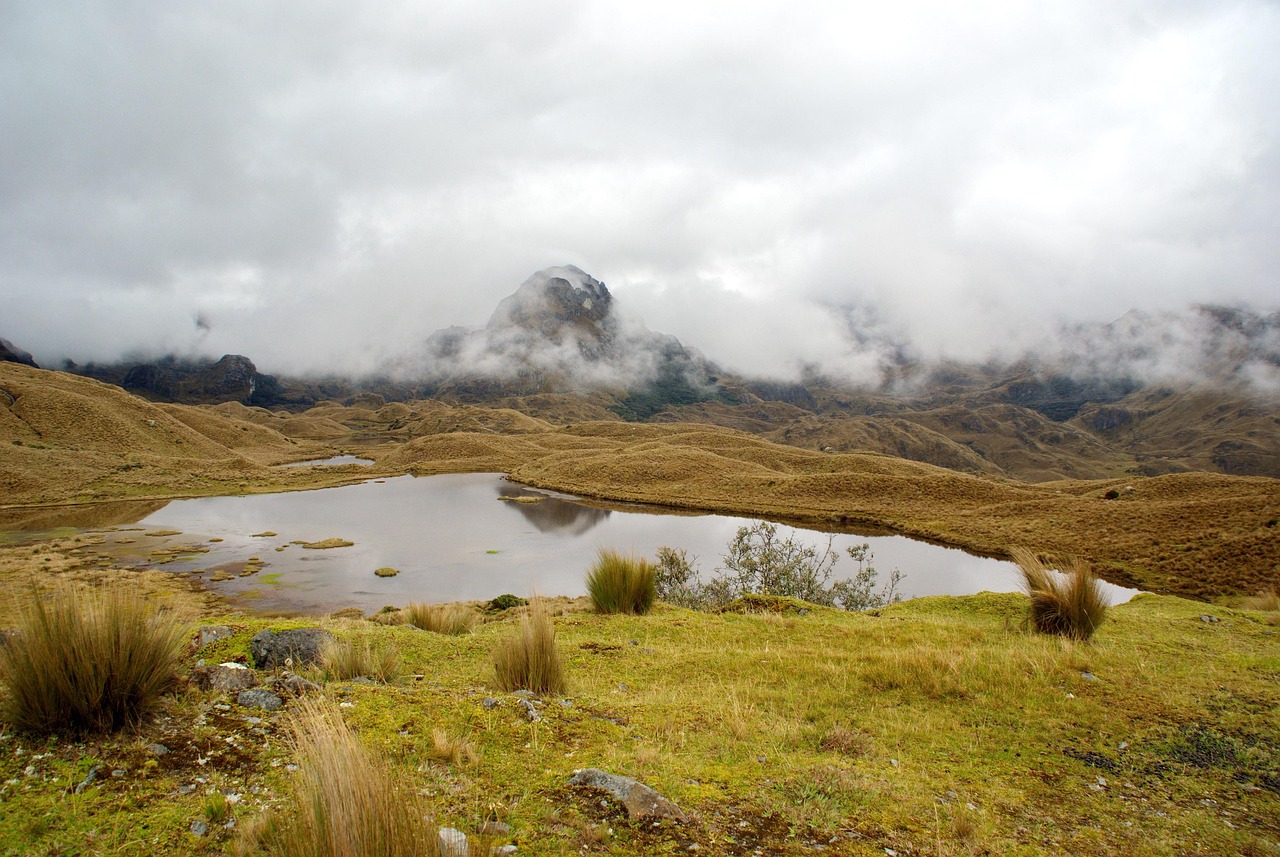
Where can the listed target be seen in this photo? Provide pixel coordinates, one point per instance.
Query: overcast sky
(320, 185)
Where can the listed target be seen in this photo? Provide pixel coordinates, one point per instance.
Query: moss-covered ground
(936, 726)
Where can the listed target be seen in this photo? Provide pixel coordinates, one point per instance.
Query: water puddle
(330, 462)
(461, 537)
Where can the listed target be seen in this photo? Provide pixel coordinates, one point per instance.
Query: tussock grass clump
(621, 584)
(88, 660)
(346, 658)
(441, 618)
(455, 750)
(1071, 604)
(528, 658)
(347, 801)
(1267, 602)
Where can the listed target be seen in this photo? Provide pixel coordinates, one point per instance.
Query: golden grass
(347, 802)
(528, 658)
(456, 750)
(621, 584)
(1069, 604)
(88, 660)
(441, 618)
(344, 658)
(1195, 534)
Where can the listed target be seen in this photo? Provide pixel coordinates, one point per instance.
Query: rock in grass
(640, 800)
(213, 633)
(260, 698)
(224, 678)
(453, 842)
(271, 649)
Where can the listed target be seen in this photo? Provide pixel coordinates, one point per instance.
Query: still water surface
(451, 538)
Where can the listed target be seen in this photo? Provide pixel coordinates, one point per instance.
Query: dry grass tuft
(528, 658)
(621, 584)
(347, 801)
(1267, 602)
(455, 750)
(347, 658)
(88, 660)
(846, 741)
(1070, 604)
(932, 673)
(441, 618)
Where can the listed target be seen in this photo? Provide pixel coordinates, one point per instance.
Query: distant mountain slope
(1147, 394)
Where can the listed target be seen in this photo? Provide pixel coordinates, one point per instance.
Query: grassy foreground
(936, 726)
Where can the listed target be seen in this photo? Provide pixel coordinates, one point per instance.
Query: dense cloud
(324, 184)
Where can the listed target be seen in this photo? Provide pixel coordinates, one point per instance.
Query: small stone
(640, 800)
(504, 850)
(157, 749)
(199, 828)
(1088, 676)
(566, 703)
(260, 698)
(525, 694)
(213, 633)
(893, 762)
(531, 714)
(118, 773)
(297, 685)
(489, 703)
(494, 828)
(453, 842)
(1208, 620)
(187, 789)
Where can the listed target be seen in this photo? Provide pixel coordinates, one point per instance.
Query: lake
(452, 538)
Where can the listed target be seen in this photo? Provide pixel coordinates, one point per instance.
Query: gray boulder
(260, 698)
(271, 649)
(224, 678)
(640, 800)
(213, 633)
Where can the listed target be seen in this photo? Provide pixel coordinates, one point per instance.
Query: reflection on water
(451, 538)
(97, 515)
(549, 513)
(329, 462)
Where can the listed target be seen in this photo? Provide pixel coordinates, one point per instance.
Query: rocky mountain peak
(556, 302)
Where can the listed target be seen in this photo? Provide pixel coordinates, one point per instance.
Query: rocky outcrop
(293, 647)
(10, 353)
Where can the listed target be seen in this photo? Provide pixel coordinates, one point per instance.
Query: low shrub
(441, 618)
(528, 658)
(347, 802)
(1070, 604)
(621, 584)
(760, 562)
(347, 658)
(88, 660)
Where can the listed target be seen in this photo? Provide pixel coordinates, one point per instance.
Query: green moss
(937, 724)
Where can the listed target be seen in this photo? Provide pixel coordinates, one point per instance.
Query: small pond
(466, 536)
(330, 462)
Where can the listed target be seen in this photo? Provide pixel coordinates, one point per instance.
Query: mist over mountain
(1151, 392)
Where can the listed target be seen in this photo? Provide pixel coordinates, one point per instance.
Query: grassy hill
(937, 726)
